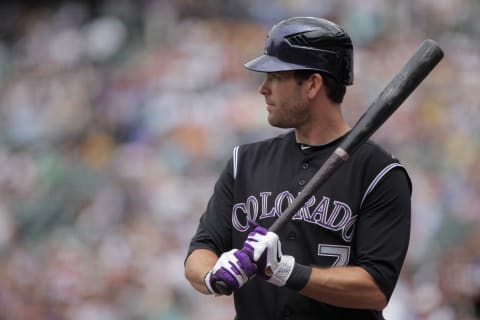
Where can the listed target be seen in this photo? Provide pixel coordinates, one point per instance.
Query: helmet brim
(266, 63)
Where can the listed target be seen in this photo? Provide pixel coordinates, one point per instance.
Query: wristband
(299, 277)
(206, 281)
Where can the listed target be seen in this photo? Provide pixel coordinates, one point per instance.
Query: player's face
(286, 106)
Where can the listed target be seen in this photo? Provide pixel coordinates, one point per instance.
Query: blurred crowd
(116, 118)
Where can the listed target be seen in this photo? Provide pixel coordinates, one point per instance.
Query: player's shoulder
(372, 151)
(268, 144)
(264, 151)
(377, 161)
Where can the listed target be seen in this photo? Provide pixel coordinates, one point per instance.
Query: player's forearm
(198, 263)
(348, 287)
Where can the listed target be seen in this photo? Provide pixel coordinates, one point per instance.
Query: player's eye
(274, 75)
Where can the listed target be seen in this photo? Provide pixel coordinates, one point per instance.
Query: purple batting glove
(264, 248)
(249, 248)
(231, 271)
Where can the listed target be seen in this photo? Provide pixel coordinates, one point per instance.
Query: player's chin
(278, 122)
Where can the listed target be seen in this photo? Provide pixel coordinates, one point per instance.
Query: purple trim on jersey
(265, 212)
(279, 199)
(252, 202)
(249, 209)
(377, 179)
(349, 228)
(236, 221)
(336, 217)
(304, 212)
(333, 221)
(319, 213)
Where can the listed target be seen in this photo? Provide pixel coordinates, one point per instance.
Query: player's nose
(263, 88)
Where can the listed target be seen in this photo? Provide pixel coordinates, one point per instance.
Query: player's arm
(211, 259)
(212, 236)
(198, 263)
(348, 287)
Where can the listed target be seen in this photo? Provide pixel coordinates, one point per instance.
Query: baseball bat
(420, 64)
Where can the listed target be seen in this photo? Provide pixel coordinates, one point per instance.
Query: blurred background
(116, 117)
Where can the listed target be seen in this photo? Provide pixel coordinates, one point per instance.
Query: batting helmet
(307, 43)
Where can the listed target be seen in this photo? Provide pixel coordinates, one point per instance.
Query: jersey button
(292, 236)
(305, 165)
(287, 313)
(301, 182)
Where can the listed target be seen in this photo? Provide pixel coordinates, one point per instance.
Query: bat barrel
(422, 62)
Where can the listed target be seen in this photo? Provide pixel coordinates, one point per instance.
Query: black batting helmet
(307, 43)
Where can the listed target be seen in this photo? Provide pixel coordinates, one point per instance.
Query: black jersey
(360, 217)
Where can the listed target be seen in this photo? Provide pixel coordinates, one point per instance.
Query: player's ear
(314, 84)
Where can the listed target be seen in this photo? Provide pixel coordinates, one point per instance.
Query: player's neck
(320, 136)
(322, 128)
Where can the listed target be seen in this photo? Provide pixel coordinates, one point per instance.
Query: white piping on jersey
(235, 161)
(372, 185)
(377, 179)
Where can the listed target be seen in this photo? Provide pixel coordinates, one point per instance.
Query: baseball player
(341, 254)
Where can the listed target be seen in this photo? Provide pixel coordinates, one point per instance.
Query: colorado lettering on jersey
(328, 214)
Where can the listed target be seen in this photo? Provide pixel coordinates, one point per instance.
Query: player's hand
(264, 248)
(231, 271)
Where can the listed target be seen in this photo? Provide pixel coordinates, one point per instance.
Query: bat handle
(223, 288)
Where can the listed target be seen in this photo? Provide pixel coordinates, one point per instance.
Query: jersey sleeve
(214, 231)
(383, 229)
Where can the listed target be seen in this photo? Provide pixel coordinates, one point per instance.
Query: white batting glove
(265, 249)
(231, 271)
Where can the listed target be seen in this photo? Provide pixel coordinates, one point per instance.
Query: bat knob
(223, 288)
(268, 271)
